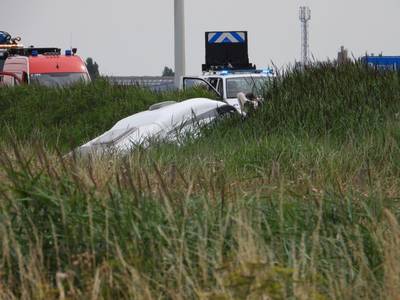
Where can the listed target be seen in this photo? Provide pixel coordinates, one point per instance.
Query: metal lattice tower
(305, 17)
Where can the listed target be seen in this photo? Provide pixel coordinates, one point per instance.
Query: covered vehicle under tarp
(167, 121)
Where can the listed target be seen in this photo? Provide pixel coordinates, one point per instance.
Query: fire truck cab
(41, 66)
(46, 67)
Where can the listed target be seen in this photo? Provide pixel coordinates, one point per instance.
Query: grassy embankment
(300, 201)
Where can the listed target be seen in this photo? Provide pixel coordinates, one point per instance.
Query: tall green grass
(65, 118)
(298, 201)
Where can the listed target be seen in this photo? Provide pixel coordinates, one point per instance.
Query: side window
(218, 84)
(194, 83)
(213, 82)
(191, 82)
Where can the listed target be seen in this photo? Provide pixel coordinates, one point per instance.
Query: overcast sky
(132, 37)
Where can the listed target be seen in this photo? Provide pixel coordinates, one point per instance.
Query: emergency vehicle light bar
(54, 51)
(225, 72)
(30, 51)
(11, 46)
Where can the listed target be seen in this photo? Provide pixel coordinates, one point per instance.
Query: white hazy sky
(132, 37)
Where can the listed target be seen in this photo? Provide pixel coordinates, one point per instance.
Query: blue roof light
(68, 52)
(225, 72)
(268, 71)
(35, 53)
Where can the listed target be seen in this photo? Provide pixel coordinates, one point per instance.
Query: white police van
(227, 71)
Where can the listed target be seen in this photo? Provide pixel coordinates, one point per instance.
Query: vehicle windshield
(244, 85)
(58, 79)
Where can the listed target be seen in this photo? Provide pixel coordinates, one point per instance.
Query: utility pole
(180, 55)
(305, 17)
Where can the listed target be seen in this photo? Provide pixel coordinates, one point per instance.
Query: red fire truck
(42, 66)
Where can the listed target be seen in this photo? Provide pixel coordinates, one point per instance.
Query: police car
(228, 84)
(227, 71)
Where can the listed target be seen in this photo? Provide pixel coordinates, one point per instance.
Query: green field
(301, 200)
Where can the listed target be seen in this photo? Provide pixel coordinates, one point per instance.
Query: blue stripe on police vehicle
(226, 37)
